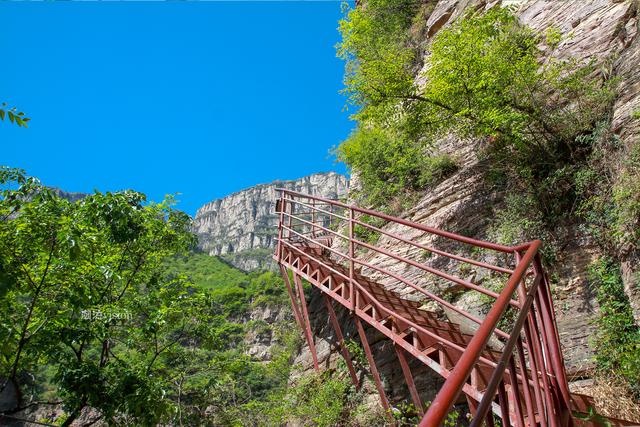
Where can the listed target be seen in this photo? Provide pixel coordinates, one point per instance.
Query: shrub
(626, 196)
(617, 341)
(389, 163)
(316, 399)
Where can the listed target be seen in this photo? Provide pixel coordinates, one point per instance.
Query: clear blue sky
(201, 99)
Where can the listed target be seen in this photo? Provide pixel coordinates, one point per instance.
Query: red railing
(523, 383)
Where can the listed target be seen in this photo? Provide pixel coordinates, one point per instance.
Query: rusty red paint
(524, 380)
(372, 366)
(307, 323)
(341, 343)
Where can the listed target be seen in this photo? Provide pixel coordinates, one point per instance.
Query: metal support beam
(294, 304)
(307, 323)
(528, 380)
(340, 337)
(372, 366)
(417, 402)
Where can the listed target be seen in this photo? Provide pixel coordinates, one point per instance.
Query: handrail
(449, 235)
(436, 251)
(392, 313)
(526, 383)
(306, 205)
(406, 282)
(402, 239)
(453, 385)
(426, 268)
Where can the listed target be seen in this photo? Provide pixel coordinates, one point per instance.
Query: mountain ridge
(241, 227)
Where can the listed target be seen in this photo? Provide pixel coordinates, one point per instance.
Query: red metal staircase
(515, 376)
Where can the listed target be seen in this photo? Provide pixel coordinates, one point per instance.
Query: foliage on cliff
(541, 126)
(479, 78)
(618, 339)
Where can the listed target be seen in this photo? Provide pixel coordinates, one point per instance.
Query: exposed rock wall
(605, 31)
(242, 227)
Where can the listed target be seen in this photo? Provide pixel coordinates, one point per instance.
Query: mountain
(241, 227)
(71, 196)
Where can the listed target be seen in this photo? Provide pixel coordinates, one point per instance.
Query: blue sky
(201, 99)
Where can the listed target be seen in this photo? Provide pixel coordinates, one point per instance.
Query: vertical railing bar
(525, 382)
(534, 366)
(351, 263)
(472, 402)
(515, 393)
(504, 405)
(289, 219)
(281, 214)
(313, 218)
(541, 356)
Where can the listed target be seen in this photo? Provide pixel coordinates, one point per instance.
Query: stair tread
(407, 309)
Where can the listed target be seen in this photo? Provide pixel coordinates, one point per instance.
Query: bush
(617, 341)
(482, 79)
(388, 163)
(626, 196)
(316, 399)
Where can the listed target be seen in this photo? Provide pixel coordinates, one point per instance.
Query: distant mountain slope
(72, 197)
(242, 227)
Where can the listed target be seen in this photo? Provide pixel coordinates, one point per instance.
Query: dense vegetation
(108, 314)
(618, 339)
(103, 306)
(540, 125)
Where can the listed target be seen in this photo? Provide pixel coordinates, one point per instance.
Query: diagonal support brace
(409, 379)
(374, 369)
(307, 323)
(343, 347)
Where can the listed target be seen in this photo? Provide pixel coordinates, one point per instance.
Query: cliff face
(242, 227)
(605, 31)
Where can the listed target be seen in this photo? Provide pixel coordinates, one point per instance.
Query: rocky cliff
(242, 227)
(605, 31)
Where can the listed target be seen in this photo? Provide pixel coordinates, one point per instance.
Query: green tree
(481, 77)
(83, 291)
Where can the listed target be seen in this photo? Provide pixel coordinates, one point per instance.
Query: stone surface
(604, 31)
(242, 225)
(261, 336)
